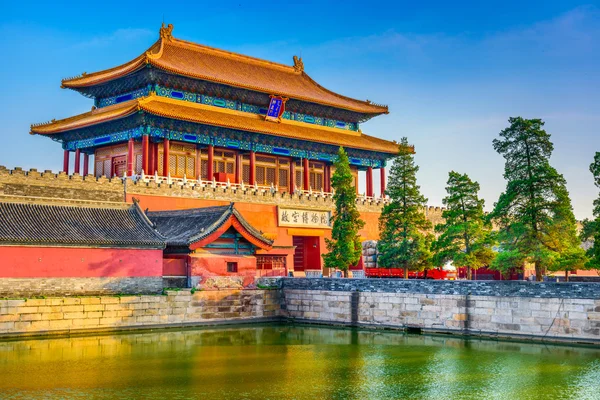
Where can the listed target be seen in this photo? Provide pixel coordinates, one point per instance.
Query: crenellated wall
(259, 206)
(48, 184)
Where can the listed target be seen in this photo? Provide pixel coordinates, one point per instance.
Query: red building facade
(187, 114)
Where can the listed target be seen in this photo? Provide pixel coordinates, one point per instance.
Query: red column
(305, 176)
(66, 162)
(252, 167)
(382, 174)
(166, 145)
(77, 161)
(292, 176)
(238, 168)
(145, 153)
(370, 182)
(211, 156)
(130, 157)
(86, 164)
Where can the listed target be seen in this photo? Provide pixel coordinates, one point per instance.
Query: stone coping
(575, 290)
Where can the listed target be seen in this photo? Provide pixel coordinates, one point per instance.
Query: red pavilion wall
(62, 262)
(262, 217)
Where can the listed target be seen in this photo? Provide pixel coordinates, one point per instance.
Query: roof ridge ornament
(298, 64)
(166, 32)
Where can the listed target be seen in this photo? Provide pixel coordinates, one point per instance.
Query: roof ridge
(60, 202)
(288, 68)
(138, 209)
(185, 210)
(142, 59)
(367, 102)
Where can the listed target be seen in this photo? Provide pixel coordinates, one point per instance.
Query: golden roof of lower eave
(207, 63)
(210, 115)
(93, 117)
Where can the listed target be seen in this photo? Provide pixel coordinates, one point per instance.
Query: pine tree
(465, 234)
(344, 247)
(591, 229)
(403, 239)
(534, 214)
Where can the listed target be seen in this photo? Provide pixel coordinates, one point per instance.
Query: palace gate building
(211, 127)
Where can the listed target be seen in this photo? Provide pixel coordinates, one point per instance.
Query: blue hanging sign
(276, 108)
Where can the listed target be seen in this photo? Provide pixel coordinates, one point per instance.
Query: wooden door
(119, 166)
(307, 254)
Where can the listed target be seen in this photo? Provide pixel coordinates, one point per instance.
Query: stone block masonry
(559, 312)
(81, 286)
(521, 310)
(66, 315)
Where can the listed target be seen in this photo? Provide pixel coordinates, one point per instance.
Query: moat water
(293, 362)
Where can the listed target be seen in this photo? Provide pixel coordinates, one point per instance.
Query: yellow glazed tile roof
(207, 63)
(210, 115)
(96, 116)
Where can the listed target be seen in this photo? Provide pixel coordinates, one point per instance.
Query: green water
(293, 362)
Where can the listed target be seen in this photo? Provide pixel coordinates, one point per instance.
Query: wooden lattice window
(283, 178)
(138, 164)
(316, 181)
(316, 175)
(246, 173)
(299, 181)
(223, 162)
(107, 169)
(270, 262)
(182, 160)
(103, 159)
(204, 168)
(260, 175)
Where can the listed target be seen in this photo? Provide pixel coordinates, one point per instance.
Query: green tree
(344, 247)
(403, 239)
(591, 229)
(465, 235)
(534, 213)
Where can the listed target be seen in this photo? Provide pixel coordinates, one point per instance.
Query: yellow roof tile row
(209, 115)
(207, 63)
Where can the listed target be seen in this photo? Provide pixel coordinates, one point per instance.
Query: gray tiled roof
(32, 224)
(184, 227)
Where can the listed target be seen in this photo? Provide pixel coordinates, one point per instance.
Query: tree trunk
(566, 275)
(538, 271)
(469, 273)
(406, 272)
(345, 273)
(425, 273)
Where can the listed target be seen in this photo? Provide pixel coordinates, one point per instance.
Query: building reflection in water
(286, 361)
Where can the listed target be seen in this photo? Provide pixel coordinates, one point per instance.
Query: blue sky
(451, 72)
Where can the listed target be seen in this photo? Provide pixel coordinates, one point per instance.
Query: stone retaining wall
(546, 311)
(573, 313)
(177, 308)
(32, 287)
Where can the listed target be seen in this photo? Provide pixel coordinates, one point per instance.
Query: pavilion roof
(200, 226)
(32, 222)
(202, 62)
(210, 115)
